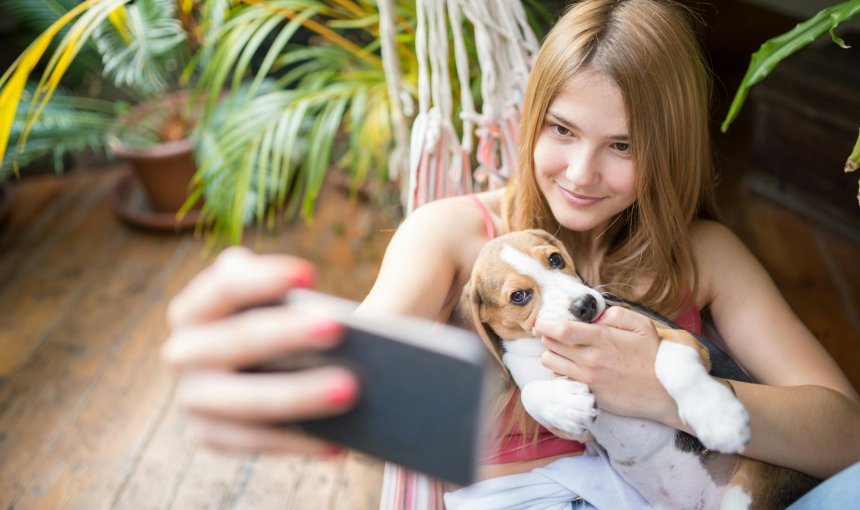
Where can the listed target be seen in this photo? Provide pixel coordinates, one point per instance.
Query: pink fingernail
(305, 278)
(326, 329)
(341, 391)
(334, 452)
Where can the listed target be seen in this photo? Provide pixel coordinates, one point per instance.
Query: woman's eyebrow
(561, 120)
(570, 124)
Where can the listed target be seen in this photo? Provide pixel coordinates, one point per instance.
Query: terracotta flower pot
(163, 170)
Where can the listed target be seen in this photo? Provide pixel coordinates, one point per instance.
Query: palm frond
(152, 54)
(13, 81)
(68, 124)
(241, 39)
(37, 15)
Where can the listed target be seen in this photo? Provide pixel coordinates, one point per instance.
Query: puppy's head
(521, 276)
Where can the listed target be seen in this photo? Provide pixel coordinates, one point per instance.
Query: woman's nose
(582, 168)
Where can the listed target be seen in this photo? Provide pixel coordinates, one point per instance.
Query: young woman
(614, 159)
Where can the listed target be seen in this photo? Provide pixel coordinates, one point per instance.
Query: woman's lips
(579, 199)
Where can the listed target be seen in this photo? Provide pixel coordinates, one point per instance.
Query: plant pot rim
(155, 151)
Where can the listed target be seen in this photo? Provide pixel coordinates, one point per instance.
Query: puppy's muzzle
(584, 308)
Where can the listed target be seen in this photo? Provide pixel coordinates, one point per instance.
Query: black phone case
(418, 408)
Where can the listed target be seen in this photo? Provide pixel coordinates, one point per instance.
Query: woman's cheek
(548, 158)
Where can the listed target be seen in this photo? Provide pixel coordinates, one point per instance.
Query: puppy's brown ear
(488, 336)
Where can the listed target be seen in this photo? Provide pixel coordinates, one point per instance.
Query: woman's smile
(578, 199)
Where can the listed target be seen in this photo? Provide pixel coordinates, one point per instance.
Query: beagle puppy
(522, 276)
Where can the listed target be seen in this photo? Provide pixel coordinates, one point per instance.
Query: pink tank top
(513, 447)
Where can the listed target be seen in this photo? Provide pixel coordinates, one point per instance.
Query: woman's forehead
(591, 100)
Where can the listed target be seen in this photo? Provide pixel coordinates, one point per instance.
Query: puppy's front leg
(717, 417)
(564, 406)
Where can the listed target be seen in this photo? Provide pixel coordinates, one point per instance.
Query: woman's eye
(560, 130)
(556, 261)
(521, 297)
(622, 147)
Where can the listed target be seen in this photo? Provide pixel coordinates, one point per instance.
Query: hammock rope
(440, 164)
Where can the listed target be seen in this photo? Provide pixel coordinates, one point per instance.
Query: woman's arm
(422, 269)
(805, 414)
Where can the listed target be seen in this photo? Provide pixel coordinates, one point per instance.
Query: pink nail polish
(305, 278)
(325, 329)
(335, 452)
(341, 391)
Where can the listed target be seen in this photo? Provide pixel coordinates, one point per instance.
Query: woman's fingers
(569, 332)
(628, 320)
(268, 398)
(562, 365)
(239, 437)
(236, 280)
(584, 333)
(250, 338)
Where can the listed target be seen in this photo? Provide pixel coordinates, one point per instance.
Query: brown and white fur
(668, 467)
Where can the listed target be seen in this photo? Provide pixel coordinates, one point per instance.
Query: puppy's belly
(644, 453)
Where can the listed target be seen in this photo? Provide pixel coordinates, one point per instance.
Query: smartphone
(424, 388)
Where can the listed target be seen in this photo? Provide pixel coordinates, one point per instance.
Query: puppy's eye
(556, 261)
(521, 297)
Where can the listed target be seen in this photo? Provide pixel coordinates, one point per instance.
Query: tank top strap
(489, 227)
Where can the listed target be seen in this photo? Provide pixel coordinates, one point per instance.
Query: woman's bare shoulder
(454, 217)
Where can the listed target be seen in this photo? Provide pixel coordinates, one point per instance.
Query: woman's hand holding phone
(218, 329)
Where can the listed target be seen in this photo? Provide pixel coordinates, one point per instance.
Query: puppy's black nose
(584, 308)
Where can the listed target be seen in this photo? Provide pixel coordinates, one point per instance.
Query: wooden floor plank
(158, 472)
(48, 393)
(116, 415)
(314, 485)
(359, 487)
(47, 281)
(267, 487)
(45, 215)
(208, 480)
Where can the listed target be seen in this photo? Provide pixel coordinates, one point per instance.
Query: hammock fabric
(436, 163)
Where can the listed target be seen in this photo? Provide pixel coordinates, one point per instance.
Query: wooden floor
(87, 417)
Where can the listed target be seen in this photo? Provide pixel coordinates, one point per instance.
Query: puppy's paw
(560, 404)
(718, 418)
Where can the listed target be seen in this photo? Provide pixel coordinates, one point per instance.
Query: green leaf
(158, 51)
(781, 47)
(854, 159)
(321, 141)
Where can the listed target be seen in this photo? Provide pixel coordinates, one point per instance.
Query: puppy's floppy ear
(488, 336)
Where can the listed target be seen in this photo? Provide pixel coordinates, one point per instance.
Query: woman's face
(582, 157)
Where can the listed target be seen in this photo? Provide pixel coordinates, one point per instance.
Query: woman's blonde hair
(649, 49)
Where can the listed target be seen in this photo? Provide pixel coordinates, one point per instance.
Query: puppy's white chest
(522, 357)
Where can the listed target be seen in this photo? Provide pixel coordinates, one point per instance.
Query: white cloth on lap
(552, 487)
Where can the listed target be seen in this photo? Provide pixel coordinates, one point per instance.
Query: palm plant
(266, 99)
